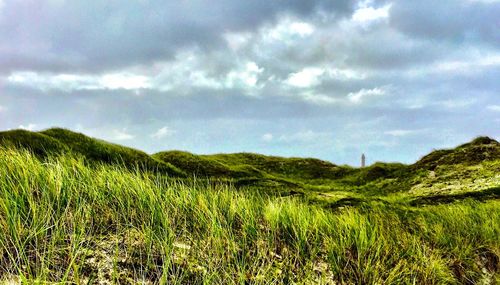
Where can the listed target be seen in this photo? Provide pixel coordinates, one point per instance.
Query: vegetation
(276, 174)
(39, 144)
(479, 150)
(69, 214)
(205, 166)
(59, 141)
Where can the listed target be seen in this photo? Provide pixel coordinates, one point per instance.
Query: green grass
(66, 221)
(60, 141)
(295, 168)
(40, 144)
(206, 166)
(478, 150)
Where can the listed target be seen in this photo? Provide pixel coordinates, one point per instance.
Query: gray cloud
(97, 35)
(328, 79)
(451, 20)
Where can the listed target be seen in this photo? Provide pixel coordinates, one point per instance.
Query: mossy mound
(202, 166)
(476, 151)
(59, 141)
(40, 144)
(381, 170)
(298, 168)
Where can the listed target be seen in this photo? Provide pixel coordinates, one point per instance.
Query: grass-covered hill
(472, 163)
(38, 143)
(207, 166)
(469, 167)
(299, 168)
(61, 141)
(478, 150)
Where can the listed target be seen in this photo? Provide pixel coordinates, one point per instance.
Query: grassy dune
(65, 220)
(470, 166)
(61, 141)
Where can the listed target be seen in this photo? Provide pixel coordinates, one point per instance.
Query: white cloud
(470, 65)
(2, 108)
(70, 82)
(245, 77)
(199, 78)
(307, 77)
(313, 76)
(162, 132)
(402, 133)
(51, 81)
(494, 108)
(467, 64)
(287, 31)
(302, 29)
(185, 72)
(267, 137)
(124, 81)
(345, 74)
(29, 127)
(319, 99)
(358, 97)
(368, 14)
(181, 75)
(456, 103)
(236, 41)
(122, 135)
(189, 70)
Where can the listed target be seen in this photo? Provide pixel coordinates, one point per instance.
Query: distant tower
(363, 160)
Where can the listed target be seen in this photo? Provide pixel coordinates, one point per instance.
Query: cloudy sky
(317, 78)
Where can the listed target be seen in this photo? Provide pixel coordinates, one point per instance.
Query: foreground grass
(63, 221)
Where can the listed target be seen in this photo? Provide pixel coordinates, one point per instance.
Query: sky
(316, 78)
